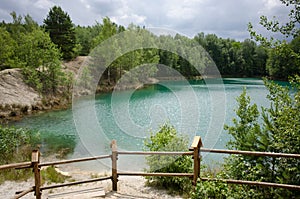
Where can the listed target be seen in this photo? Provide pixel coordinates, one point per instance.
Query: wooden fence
(194, 151)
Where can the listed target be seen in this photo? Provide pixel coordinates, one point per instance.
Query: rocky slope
(16, 97)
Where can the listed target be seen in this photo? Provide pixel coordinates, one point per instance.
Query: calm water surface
(129, 116)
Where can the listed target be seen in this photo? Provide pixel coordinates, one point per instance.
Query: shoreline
(16, 112)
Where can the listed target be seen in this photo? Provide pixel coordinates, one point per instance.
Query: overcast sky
(226, 18)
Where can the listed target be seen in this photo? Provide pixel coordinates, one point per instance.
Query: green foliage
(246, 128)
(27, 46)
(50, 175)
(7, 49)
(14, 141)
(167, 139)
(290, 28)
(39, 59)
(16, 146)
(220, 190)
(275, 129)
(211, 189)
(108, 29)
(62, 32)
(233, 57)
(284, 59)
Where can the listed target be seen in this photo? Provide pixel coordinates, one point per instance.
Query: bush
(167, 139)
(15, 143)
(221, 190)
(274, 129)
(16, 146)
(50, 175)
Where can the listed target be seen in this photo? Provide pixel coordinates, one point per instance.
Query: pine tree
(62, 32)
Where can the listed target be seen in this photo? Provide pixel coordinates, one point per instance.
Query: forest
(39, 50)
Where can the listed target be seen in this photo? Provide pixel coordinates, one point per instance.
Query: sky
(225, 18)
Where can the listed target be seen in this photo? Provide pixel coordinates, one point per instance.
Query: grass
(21, 155)
(15, 175)
(50, 175)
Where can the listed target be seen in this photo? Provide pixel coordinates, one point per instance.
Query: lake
(194, 107)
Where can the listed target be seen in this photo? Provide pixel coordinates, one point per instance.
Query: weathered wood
(15, 165)
(74, 160)
(197, 142)
(76, 183)
(154, 153)
(156, 174)
(84, 193)
(254, 183)
(252, 153)
(114, 158)
(35, 159)
(195, 147)
(196, 165)
(23, 193)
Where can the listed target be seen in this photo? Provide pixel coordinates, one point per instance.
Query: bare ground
(128, 187)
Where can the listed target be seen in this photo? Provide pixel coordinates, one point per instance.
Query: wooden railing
(194, 151)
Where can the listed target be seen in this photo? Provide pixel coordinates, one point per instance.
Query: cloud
(227, 18)
(43, 4)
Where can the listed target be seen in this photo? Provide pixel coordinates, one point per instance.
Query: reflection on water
(129, 116)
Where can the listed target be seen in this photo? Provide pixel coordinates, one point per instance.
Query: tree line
(39, 49)
(245, 58)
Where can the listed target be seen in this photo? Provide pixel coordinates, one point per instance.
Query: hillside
(18, 99)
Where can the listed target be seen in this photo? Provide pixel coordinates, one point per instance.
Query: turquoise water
(194, 108)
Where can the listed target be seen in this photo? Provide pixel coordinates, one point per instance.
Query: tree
(84, 39)
(275, 129)
(248, 51)
(290, 28)
(40, 60)
(16, 145)
(7, 49)
(168, 139)
(59, 24)
(283, 59)
(108, 29)
(27, 46)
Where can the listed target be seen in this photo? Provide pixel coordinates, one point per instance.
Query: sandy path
(128, 187)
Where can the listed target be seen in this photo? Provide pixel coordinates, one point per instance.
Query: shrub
(15, 143)
(16, 146)
(221, 190)
(50, 175)
(167, 139)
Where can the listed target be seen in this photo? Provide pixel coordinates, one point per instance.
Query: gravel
(128, 187)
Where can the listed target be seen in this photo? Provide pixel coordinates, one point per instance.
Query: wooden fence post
(114, 159)
(195, 147)
(35, 160)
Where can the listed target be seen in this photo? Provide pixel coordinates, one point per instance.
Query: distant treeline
(38, 49)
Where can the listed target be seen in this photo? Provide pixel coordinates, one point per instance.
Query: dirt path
(128, 187)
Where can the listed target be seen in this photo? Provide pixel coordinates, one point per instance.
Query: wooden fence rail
(252, 153)
(75, 160)
(254, 183)
(194, 151)
(36, 166)
(15, 165)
